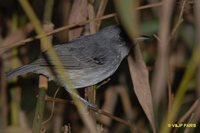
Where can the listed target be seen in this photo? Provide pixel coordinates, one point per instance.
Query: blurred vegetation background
(117, 96)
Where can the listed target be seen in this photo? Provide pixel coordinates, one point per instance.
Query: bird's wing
(86, 56)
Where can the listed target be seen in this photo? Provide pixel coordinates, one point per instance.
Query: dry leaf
(140, 79)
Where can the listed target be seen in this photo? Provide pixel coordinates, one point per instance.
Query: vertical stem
(48, 11)
(100, 12)
(90, 93)
(15, 105)
(43, 81)
(91, 15)
(38, 118)
(37, 122)
(3, 94)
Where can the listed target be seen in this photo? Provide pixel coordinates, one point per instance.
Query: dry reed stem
(161, 66)
(78, 14)
(91, 15)
(80, 11)
(100, 12)
(189, 73)
(4, 104)
(174, 30)
(38, 118)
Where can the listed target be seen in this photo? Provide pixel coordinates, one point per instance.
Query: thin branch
(6, 47)
(189, 112)
(157, 4)
(52, 109)
(124, 122)
(180, 20)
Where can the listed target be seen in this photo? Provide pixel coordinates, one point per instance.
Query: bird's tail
(21, 70)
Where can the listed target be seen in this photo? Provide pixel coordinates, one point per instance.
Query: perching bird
(88, 60)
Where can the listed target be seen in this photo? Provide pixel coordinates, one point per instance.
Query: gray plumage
(88, 59)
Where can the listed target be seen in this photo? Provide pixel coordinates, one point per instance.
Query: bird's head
(118, 39)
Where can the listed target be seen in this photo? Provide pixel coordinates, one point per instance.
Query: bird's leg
(88, 104)
(85, 102)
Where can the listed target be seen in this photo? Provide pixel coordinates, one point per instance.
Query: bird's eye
(124, 37)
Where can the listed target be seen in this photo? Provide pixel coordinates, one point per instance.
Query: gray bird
(88, 60)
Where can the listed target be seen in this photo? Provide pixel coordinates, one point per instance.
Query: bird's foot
(87, 103)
